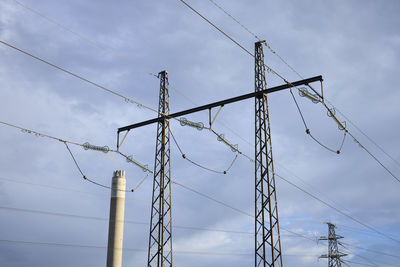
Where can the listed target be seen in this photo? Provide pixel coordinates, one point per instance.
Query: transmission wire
(363, 133)
(26, 130)
(127, 99)
(337, 210)
(89, 180)
(94, 43)
(269, 69)
(199, 165)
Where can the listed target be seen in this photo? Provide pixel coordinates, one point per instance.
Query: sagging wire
(85, 146)
(363, 133)
(86, 178)
(315, 99)
(141, 182)
(199, 165)
(331, 113)
(268, 68)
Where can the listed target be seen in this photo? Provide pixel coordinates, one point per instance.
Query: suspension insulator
(303, 92)
(88, 146)
(185, 122)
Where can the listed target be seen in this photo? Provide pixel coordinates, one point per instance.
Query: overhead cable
(235, 209)
(93, 43)
(286, 81)
(127, 99)
(86, 146)
(363, 133)
(197, 164)
(58, 214)
(269, 69)
(338, 210)
(308, 131)
(90, 180)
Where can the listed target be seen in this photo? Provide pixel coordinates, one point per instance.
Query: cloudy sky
(50, 216)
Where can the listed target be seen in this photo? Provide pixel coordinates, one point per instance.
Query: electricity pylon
(160, 240)
(333, 255)
(267, 236)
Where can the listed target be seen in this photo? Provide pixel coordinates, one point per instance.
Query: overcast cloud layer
(354, 45)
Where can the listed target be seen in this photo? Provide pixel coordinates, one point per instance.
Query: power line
(371, 250)
(86, 145)
(363, 133)
(75, 216)
(236, 209)
(285, 80)
(197, 164)
(211, 198)
(52, 244)
(127, 99)
(217, 28)
(256, 37)
(369, 152)
(88, 81)
(308, 131)
(207, 253)
(93, 43)
(337, 210)
(86, 178)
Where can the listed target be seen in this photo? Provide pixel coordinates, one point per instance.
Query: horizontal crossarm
(223, 102)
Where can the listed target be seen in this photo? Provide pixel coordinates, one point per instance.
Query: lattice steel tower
(160, 240)
(267, 236)
(333, 252)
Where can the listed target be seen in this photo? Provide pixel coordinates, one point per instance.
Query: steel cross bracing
(333, 251)
(267, 236)
(160, 240)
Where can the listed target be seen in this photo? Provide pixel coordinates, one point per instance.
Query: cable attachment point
(184, 156)
(308, 131)
(303, 92)
(84, 177)
(88, 146)
(224, 172)
(198, 125)
(338, 152)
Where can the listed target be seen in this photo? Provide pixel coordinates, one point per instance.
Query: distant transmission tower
(160, 240)
(267, 236)
(333, 252)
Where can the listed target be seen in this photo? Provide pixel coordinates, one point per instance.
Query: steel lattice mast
(160, 240)
(267, 236)
(333, 252)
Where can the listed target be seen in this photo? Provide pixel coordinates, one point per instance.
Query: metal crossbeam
(256, 94)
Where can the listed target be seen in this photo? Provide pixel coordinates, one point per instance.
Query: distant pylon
(333, 255)
(160, 240)
(267, 236)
